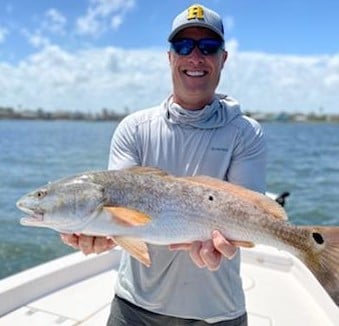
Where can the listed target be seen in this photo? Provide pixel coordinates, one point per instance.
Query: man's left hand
(208, 253)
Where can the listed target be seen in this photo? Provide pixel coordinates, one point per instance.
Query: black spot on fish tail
(318, 238)
(323, 258)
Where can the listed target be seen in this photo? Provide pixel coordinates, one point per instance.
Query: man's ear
(169, 56)
(225, 56)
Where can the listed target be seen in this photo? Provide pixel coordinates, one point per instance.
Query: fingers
(102, 244)
(210, 256)
(223, 246)
(208, 253)
(204, 254)
(195, 253)
(88, 244)
(70, 240)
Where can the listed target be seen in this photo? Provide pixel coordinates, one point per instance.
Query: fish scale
(143, 205)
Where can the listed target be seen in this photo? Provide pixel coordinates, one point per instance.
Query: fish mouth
(35, 218)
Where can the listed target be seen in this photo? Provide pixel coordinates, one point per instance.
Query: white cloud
(88, 80)
(36, 39)
(115, 78)
(266, 82)
(3, 34)
(88, 25)
(116, 21)
(54, 21)
(102, 15)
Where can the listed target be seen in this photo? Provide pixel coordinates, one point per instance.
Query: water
(31, 154)
(303, 159)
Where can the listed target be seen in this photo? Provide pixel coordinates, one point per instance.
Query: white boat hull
(77, 290)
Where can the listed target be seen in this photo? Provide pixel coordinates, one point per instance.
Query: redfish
(143, 205)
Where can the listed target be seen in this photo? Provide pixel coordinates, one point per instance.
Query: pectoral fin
(136, 248)
(126, 216)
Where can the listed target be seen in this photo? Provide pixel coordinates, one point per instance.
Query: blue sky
(284, 55)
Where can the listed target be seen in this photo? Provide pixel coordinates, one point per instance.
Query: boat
(279, 198)
(77, 290)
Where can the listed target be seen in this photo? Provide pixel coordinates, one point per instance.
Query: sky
(86, 55)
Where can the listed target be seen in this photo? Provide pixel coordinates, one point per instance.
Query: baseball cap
(197, 16)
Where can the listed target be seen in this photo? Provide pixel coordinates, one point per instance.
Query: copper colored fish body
(145, 205)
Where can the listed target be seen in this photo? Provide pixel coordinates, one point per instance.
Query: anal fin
(136, 248)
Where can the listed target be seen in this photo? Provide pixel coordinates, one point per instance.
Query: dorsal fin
(147, 170)
(265, 203)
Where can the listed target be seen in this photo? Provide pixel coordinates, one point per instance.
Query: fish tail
(323, 259)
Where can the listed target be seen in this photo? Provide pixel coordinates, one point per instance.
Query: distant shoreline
(106, 115)
(60, 119)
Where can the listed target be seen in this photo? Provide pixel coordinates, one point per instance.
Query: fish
(145, 205)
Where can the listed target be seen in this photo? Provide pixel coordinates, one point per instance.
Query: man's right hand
(88, 244)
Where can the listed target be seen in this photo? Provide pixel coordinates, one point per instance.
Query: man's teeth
(195, 73)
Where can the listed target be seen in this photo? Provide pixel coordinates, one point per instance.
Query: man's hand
(208, 253)
(88, 244)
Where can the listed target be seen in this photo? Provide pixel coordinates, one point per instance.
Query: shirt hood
(221, 111)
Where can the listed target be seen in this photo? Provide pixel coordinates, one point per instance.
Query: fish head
(66, 205)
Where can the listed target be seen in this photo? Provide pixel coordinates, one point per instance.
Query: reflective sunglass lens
(183, 47)
(206, 46)
(209, 46)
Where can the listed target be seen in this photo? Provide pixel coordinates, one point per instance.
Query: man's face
(195, 76)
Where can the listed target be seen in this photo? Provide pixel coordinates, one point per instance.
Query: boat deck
(77, 290)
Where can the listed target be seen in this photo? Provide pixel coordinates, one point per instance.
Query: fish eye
(41, 194)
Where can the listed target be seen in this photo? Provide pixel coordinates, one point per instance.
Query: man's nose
(196, 56)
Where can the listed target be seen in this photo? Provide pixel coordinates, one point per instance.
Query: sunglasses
(207, 46)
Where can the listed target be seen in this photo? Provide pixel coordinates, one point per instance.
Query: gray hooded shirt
(217, 141)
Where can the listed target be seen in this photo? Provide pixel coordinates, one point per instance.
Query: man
(193, 132)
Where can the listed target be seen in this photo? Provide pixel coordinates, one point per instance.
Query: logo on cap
(195, 12)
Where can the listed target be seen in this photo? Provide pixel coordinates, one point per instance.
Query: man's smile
(195, 73)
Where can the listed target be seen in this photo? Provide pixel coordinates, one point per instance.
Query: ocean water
(303, 159)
